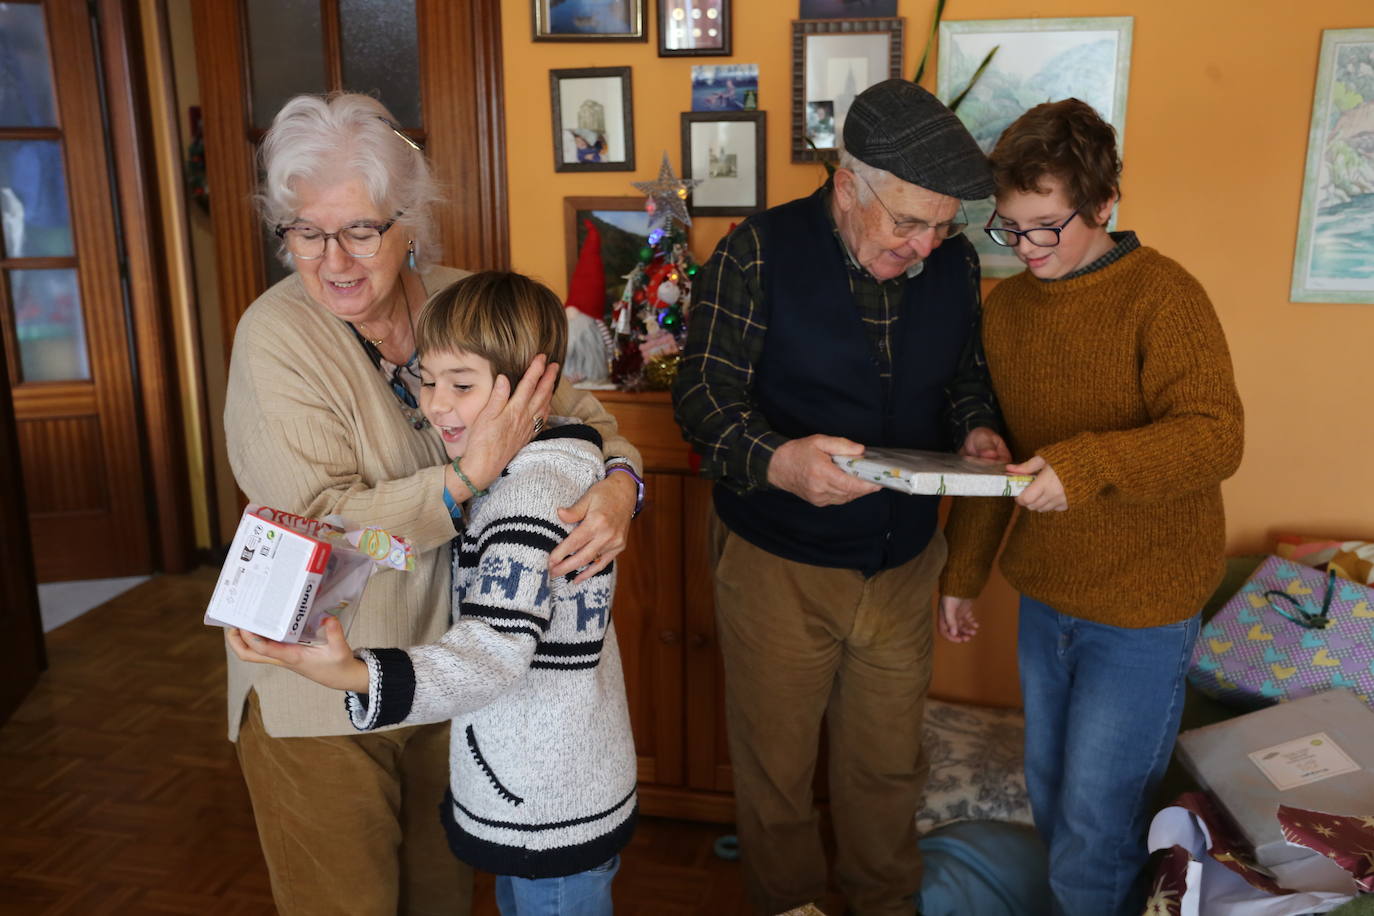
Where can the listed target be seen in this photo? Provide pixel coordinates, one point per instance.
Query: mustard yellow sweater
(1122, 381)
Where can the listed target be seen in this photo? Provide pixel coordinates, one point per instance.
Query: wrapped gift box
(933, 473)
(1315, 753)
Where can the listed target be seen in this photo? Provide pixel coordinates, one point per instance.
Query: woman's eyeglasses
(1039, 236)
(360, 240)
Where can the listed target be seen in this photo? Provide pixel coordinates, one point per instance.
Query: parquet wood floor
(119, 793)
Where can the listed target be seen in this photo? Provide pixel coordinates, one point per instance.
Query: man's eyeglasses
(360, 240)
(907, 228)
(1039, 236)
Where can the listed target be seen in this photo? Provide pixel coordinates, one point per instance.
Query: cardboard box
(285, 573)
(933, 473)
(1315, 753)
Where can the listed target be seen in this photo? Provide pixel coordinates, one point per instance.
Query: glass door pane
(48, 323)
(381, 54)
(285, 54)
(33, 200)
(26, 96)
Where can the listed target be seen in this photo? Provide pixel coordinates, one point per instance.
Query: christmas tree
(650, 319)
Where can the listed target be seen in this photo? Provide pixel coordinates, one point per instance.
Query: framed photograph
(725, 87)
(593, 126)
(694, 28)
(834, 60)
(588, 20)
(1334, 259)
(846, 9)
(622, 223)
(1037, 60)
(726, 150)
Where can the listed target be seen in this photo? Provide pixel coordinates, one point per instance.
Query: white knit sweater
(542, 759)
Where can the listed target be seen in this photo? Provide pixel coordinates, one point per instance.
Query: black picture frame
(880, 40)
(701, 28)
(729, 189)
(550, 23)
(592, 109)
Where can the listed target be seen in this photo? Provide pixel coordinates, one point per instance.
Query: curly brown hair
(1067, 139)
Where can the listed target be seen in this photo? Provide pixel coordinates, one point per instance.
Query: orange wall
(1214, 147)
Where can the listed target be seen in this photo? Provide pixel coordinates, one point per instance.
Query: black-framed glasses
(359, 240)
(907, 228)
(1039, 236)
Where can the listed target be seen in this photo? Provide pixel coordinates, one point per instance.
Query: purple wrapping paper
(1251, 655)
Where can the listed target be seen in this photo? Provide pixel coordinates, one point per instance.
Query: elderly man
(844, 319)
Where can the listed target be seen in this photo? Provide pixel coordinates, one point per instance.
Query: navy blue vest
(818, 374)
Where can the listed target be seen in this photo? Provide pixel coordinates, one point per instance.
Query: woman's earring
(410, 257)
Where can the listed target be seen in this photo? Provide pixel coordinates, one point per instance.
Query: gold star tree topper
(669, 196)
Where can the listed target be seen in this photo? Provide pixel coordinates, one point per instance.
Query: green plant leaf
(930, 40)
(954, 105)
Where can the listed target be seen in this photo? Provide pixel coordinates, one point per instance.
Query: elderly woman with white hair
(321, 418)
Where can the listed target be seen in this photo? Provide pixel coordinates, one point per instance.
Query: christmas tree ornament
(667, 197)
(660, 372)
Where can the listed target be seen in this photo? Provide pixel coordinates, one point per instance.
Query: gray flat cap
(897, 126)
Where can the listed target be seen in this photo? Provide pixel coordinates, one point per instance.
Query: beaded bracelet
(457, 469)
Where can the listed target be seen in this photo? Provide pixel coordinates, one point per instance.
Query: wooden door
(435, 63)
(64, 308)
(648, 621)
(708, 755)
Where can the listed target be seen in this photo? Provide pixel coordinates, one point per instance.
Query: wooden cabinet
(665, 622)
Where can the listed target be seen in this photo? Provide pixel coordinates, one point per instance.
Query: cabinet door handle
(698, 640)
(668, 637)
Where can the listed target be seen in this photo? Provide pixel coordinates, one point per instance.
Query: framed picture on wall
(623, 225)
(725, 150)
(588, 20)
(694, 28)
(1334, 259)
(834, 60)
(846, 9)
(1037, 60)
(593, 125)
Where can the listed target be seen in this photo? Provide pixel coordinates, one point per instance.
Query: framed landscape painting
(623, 225)
(1334, 259)
(1037, 60)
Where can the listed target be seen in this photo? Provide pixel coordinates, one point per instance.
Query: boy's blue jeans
(587, 893)
(1103, 705)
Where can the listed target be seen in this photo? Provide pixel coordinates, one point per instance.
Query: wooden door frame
(159, 395)
(460, 64)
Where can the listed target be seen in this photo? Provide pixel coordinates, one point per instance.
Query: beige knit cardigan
(313, 428)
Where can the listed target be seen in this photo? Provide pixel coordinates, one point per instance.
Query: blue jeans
(587, 893)
(1102, 710)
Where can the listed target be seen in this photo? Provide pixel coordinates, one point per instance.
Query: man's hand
(1046, 492)
(602, 517)
(331, 664)
(956, 619)
(803, 467)
(984, 442)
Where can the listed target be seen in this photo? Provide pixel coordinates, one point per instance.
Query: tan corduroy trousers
(350, 824)
(800, 643)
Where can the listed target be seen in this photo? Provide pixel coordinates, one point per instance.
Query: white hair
(871, 174)
(340, 137)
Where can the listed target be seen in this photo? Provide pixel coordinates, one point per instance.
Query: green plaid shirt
(725, 338)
